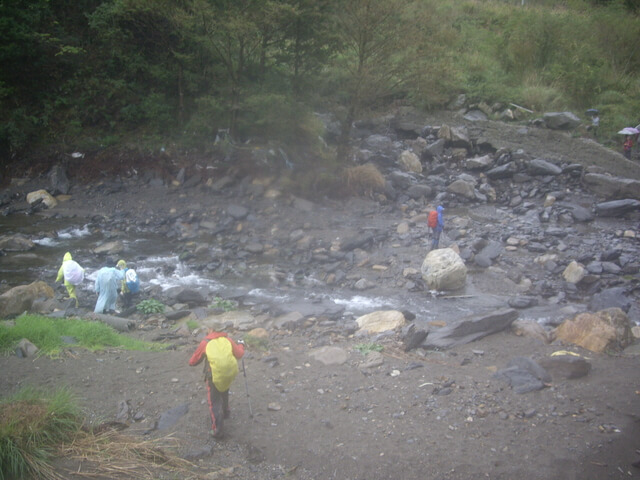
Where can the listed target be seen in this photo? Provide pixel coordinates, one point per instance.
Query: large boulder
(612, 187)
(109, 248)
(470, 329)
(524, 375)
(380, 321)
(330, 355)
(561, 120)
(21, 298)
(617, 208)
(565, 365)
(443, 269)
(574, 273)
(59, 181)
(16, 243)
(409, 162)
(43, 195)
(463, 188)
(539, 166)
(606, 330)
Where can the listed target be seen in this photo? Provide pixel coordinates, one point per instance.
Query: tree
(371, 35)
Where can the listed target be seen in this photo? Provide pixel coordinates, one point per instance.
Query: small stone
(274, 407)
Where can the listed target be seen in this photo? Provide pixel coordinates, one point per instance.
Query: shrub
(150, 306)
(364, 179)
(366, 348)
(32, 423)
(224, 304)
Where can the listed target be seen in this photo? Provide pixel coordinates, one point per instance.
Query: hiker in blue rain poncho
(439, 227)
(106, 287)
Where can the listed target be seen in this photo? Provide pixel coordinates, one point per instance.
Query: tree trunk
(120, 324)
(345, 134)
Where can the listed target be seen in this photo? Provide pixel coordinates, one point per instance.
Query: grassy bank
(52, 335)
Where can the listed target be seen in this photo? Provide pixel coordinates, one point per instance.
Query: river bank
(304, 269)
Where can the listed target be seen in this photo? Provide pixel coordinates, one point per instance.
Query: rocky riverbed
(545, 223)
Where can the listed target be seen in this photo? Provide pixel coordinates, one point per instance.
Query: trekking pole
(246, 387)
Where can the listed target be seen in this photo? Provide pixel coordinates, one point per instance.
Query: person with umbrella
(629, 134)
(627, 146)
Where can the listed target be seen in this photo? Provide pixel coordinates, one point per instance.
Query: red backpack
(432, 220)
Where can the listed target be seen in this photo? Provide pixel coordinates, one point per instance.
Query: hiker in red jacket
(220, 369)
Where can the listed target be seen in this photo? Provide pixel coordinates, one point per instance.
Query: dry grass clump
(363, 180)
(31, 427)
(112, 455)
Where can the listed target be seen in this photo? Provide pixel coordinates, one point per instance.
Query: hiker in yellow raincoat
(72, 274)
(222, 356)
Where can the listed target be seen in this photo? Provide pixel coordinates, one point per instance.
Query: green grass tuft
(366, 348)
(32, 424)
(46, 333)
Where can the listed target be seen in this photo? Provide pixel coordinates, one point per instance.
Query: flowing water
(159, 266)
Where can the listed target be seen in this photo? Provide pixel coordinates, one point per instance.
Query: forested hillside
(89, 73)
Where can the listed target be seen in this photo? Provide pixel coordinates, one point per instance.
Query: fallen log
(120, 324)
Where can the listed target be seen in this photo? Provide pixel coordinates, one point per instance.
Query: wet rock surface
(520, 209)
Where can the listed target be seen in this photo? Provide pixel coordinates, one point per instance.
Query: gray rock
(169, 418)
(479, 163)
(462, 188)
(289, 321)
(617, 208)
(16, 243)
(412, 337)
(561, 120)
(330, 355)
(502, 171)
(612, 187)
(378, 143)
(579, 213)
(372, 360)
(565, 366)
(470, 329)
(443, 269)
(358, 241)
(21, 298)
(364, 284)
(522, 302)
(59, 181)
(419, 191)
(237, 212)
(539, 166)
(475, 116)
(609, 298)
(190, 297)
(524, 375)
(400, 179)
(26, 349)
(435, 149)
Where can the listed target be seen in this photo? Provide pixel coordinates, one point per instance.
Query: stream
(159, 267)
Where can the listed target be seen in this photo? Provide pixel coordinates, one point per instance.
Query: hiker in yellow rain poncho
(72, 274)
(220, 369)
